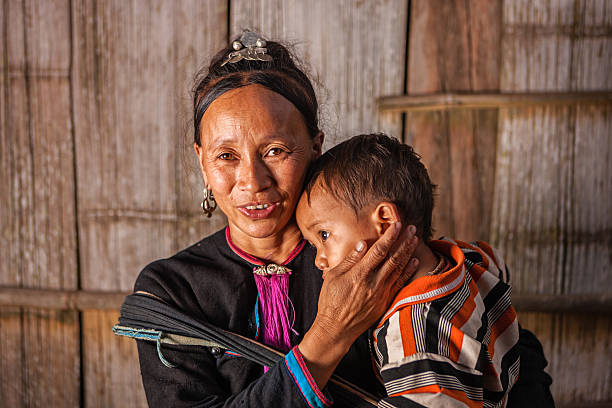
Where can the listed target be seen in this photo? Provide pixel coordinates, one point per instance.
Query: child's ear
(384, 215)
(317, 144)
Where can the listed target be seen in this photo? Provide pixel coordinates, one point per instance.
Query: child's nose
(321, 261)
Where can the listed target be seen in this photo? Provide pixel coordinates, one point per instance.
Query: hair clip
(249, 47)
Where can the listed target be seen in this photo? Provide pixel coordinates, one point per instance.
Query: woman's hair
(280, 75)
(372, 168)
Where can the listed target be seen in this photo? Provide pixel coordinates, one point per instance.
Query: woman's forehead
(252, 110)
(252, 102)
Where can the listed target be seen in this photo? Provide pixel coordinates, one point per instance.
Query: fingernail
(360, 246)
(412, 229)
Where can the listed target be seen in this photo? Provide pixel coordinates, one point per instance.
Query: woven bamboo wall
(97, 177)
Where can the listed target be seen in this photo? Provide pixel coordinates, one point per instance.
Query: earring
(208, 203)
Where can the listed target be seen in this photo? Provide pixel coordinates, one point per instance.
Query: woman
(256, 131)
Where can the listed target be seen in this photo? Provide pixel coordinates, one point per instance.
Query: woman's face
(255, 149)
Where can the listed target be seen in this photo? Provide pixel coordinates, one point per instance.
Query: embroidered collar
(256, 261)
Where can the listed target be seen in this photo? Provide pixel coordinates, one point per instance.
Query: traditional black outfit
(213, 281)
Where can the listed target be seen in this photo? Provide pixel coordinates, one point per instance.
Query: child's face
(333, 227)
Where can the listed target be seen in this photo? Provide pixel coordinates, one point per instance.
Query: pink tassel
(274, 303)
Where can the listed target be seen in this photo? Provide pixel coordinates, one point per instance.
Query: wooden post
(553, 214)
(138, 186)
(454, 47)
(40, 348)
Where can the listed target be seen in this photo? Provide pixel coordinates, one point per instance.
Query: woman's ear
(200, 153)
(317, 144)
(384, 215)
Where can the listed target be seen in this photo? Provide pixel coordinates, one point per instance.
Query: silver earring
(208, 203)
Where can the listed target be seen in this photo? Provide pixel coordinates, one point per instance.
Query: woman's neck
(275, 248)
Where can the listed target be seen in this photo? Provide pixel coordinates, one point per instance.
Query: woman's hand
(358, 292)
(355, 294)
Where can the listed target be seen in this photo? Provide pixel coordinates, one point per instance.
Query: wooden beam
(446, 101)
(587, 404)
(61, 299)
(596, 303)
(92, 300)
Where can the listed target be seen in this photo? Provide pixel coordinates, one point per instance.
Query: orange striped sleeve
(405, 323)
(435, 389)
(500, 326)
(466, 310)
(455, 343)
(488, 250)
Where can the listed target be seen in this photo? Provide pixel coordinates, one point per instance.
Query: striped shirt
(451, 339)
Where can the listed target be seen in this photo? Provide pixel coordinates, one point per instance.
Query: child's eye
(324, 235)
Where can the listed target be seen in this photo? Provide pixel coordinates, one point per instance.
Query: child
(450, 336)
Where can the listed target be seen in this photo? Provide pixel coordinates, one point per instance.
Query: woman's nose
(254, 176)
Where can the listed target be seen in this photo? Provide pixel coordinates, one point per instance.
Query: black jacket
(213, 283)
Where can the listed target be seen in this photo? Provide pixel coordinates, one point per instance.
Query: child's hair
(374, 168)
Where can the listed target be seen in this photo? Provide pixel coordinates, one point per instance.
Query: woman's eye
(324, 235)
(275, 151)
(226, 156)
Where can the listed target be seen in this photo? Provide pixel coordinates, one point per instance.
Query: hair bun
(281, 60)
(237, 65)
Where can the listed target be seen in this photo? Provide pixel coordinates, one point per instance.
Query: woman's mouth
(258, 211)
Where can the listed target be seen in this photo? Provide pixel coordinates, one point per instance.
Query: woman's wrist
(322, 351)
